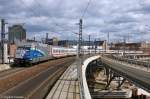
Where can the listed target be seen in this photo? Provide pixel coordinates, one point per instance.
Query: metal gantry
(80, 38)
(2, 38)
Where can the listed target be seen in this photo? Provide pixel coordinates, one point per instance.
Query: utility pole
(80, 38)
(79, 50)
(34, 38)
(124, 46)
(95, 45)
(46, 39)
(128, 37)
(2, 38)
(89, 43)
(108, 38)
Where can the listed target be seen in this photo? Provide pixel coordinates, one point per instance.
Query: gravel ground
(18, 77)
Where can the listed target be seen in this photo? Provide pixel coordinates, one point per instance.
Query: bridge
(72, 83)
(139, 77)
(112, 68)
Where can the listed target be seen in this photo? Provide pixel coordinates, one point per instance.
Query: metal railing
(135, 62)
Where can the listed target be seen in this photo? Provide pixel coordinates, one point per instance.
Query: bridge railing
(135, 62)
(84, 90)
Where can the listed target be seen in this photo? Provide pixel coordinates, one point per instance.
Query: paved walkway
(4, 67)
(67, 87)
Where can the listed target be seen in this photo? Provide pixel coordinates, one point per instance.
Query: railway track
(38, 85)
(14, 70)
(48, 83)
(8, 72)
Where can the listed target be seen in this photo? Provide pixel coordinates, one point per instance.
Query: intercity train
(38, 52)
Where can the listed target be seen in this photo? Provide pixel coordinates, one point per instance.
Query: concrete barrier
(84, 85)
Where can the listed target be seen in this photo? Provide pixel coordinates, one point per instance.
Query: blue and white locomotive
(37, 52)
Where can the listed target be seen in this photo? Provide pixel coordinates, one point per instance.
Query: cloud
(60, 17)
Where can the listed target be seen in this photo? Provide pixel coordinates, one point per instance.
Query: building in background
(67, 43)
(100, 45)
(16, 33)
(126, 46)
(53, 41)
(145, 47)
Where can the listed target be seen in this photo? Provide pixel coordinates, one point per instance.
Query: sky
(128, 19)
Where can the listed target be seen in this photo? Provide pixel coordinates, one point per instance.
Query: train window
(54, 51)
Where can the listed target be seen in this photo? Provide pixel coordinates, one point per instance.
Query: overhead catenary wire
(37, 13)
(31, 8)
(85, 10)
(54, 22)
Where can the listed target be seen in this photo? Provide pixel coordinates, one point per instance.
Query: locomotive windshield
(23, 48)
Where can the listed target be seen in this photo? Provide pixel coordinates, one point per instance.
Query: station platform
(67, 86)
(4, 67)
